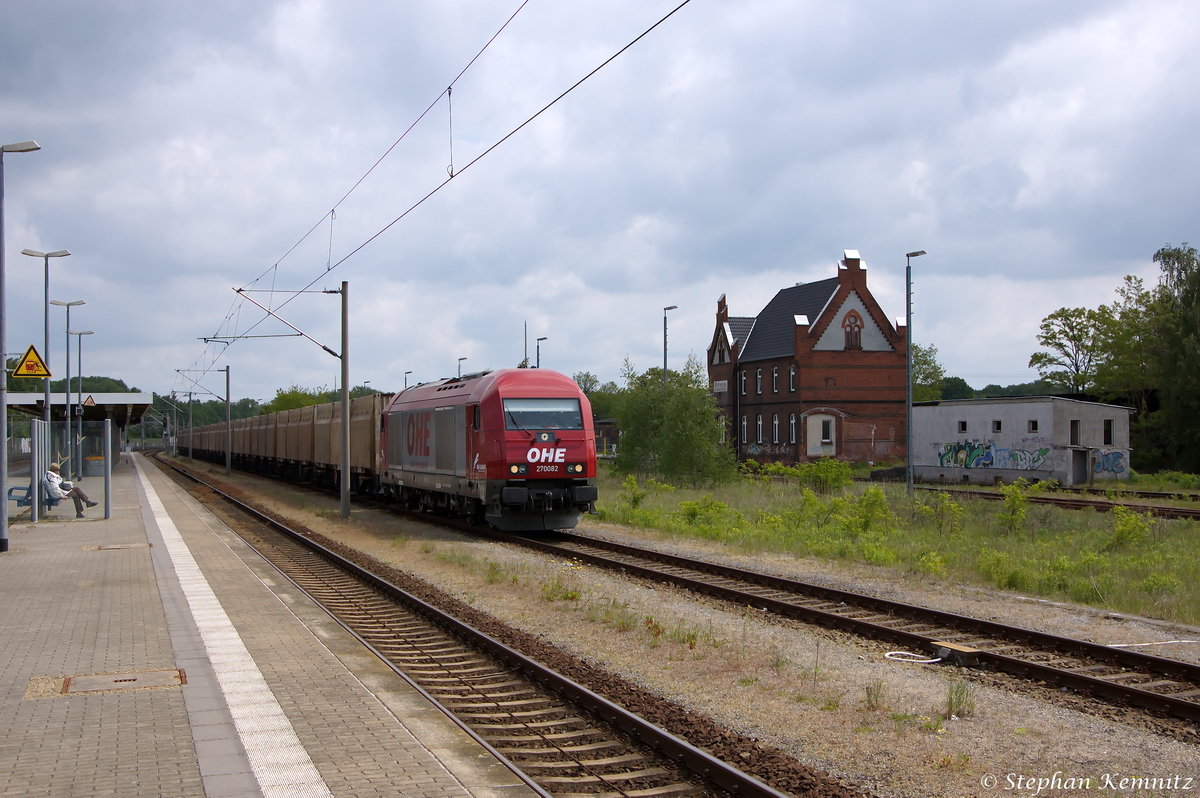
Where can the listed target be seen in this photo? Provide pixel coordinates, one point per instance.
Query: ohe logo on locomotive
(546, 455)
(417, 431)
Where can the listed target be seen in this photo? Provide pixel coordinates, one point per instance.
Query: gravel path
(832, 701)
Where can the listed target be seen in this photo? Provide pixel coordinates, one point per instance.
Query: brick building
(818, 373)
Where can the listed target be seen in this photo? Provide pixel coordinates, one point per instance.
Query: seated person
(54, 489)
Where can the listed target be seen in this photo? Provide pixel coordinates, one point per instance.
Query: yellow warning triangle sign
(89, 402)
(31, 365)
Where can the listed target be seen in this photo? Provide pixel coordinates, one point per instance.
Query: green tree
(672, 430)
(1071, 336)
(1129, 337)
(927, 374)
(956, 388)
(293, 397)
(1179, 333)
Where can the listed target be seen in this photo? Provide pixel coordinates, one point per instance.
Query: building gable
(851, 315)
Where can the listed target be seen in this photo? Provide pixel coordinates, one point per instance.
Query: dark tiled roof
(741, 326)
(774, 329)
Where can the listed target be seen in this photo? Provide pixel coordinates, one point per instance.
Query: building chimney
(722, 310)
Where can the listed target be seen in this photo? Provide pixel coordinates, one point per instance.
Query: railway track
(1144, 680)
(1077, 503)
(564, 739)
(1158, 684)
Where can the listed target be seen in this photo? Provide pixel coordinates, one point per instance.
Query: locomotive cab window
(530, 414)
(475, 421)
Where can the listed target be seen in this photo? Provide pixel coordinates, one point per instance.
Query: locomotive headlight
(575, 468)
(518, 468)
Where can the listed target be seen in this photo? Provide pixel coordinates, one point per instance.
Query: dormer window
(853, 324)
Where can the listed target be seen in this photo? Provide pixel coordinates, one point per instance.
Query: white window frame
(743, 429)
(775, 380)
(792, 381)
(759, 429)
(758, 381)
(792, 425)
(775, 428)
(743, 382)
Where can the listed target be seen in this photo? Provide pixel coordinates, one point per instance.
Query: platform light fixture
(460, 362)
(908, 370)
(20, 146)
(46, 256)
(406, 379)
(539, 350)
(67, 384)
(79, 398)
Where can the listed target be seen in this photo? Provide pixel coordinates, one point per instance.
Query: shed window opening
(1108, 432)
(996, 426)
(962, 427)
(827, 431)
(527, 414)
(1033, 425)
(1074, 439)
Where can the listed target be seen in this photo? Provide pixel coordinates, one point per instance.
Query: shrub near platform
(1120, 561)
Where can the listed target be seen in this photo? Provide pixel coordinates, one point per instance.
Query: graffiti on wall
(978, 454)
(1111, 461)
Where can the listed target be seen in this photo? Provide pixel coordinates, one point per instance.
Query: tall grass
(1120, 561)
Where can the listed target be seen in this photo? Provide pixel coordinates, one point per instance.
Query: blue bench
(20, 494)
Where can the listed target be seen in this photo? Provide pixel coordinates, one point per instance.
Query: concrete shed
(1036, 437)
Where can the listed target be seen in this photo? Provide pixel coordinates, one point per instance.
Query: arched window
(758, 381)
(775, 428)
(792, 380)
(759, 436)
(775, 380)
(853, 324)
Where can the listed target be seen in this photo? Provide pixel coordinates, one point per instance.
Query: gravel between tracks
(832, 701)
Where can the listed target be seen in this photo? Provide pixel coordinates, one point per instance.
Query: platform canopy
(122, 408)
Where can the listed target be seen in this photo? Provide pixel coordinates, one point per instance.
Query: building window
(1033, 425)
(853, 325)
(827, 430)
(962, 427)
(724, 428)
(792, 425)
(743, 385)
(792, 378)
(1074, 432)
(775, 380)
(1108, 432)
(743, 429)
(996, 425)
(758, 381)
(758, 436)
(775, 428)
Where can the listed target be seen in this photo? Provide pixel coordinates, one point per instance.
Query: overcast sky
(1038, 151)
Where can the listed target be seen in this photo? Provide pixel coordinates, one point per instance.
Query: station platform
(156, 654)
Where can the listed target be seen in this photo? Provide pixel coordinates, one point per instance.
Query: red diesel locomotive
(515, 447)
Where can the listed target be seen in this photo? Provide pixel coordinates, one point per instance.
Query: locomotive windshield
(530, 414)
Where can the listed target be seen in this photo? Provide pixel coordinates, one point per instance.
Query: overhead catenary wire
(273, 270)
(470, 163)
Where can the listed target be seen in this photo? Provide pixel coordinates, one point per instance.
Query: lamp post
(406, 379)
(21, 146)
(460, 362)
(46, 256)
(539, 351)
(67, 384)
(669, 307)
(79, 396)
(908, 364)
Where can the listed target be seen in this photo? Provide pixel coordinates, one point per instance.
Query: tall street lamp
(908, 363)
(79, 396)
(669, 307)
(46, 256)
(460, 362)
(67, 384)
(20, 146)
(406, 379)
(539, 351)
